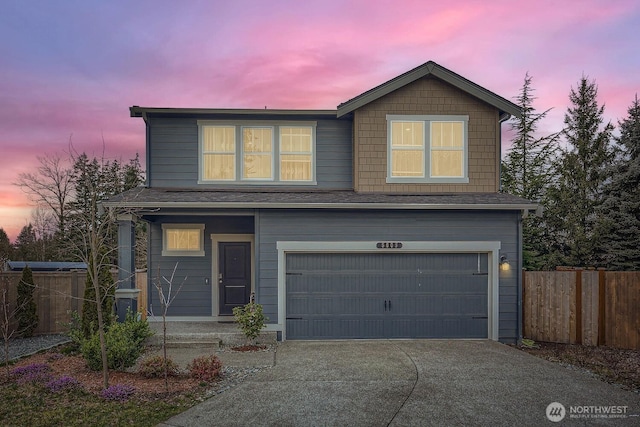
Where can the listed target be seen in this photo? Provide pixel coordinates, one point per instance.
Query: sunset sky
(71, 69)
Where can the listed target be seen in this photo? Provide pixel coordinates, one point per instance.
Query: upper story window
(424, 149)
(251, 152)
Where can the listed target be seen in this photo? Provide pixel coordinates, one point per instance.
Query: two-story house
(380, 219)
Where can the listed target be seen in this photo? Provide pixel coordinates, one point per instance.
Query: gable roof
(430, 68)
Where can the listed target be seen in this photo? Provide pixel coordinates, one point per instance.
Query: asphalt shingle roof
(298, 198)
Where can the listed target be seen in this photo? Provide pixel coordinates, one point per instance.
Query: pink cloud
(62, 81)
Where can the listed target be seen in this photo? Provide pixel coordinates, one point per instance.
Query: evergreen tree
(95, 180)
(26, 247)
(6, 248)
(26, 311)
(620, 212)
(527, 171)
(573, 202)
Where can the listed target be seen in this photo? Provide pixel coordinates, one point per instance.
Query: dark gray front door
(386, 295)
(234, 278)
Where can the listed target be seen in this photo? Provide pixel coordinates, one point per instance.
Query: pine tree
(26, 247)
(6, 248)
(582, 171)
(527, 171)
(620, 212)
(26, 311)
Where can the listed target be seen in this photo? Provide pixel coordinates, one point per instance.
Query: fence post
(524, 301)
(579, 307)
(602, 324)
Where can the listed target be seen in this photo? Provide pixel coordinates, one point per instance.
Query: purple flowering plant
(36, 373)
(118, 392)
(64, 383)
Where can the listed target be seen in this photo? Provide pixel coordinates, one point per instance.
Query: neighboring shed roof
(433, 69)
(45, 266)
(295, 198)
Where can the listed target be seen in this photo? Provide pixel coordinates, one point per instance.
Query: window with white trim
(257, 153)
(296, 153)
(246, 152)
(218, 153)
(423, 149)
(182, 239)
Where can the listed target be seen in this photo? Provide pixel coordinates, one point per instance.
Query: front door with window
(234, 275)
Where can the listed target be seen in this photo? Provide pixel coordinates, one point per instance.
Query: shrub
(205, 368)
(251, 319)
(64, 384)
(118, 392)
(36, 373)
(153, 367)
(26, 312)
(124, 341)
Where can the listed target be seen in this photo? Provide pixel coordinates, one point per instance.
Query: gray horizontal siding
(274, 226)
(173, 153)
(334, 160)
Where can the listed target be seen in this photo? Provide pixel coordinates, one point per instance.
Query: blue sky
(70, 69)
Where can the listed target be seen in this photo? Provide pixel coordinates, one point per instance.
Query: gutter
(524, 208)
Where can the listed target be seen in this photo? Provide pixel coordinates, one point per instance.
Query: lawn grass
(32, 405)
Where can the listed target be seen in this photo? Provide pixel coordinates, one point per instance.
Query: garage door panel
(386, 295)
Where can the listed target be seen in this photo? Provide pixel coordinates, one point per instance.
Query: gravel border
(22, 347)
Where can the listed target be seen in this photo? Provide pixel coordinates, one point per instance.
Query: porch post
(126, 293)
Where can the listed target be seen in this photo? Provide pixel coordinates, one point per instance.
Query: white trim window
(427, 149)
(296, 153)
(182, 239)
(243, 152)
(257, 153)
(218, 153)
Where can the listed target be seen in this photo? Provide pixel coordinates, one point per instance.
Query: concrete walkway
(421, 382)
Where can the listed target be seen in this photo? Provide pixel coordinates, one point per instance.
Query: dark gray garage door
(386, 295)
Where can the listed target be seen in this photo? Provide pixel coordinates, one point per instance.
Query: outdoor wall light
(504, 263)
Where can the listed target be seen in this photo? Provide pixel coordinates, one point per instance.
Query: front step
(212, 334)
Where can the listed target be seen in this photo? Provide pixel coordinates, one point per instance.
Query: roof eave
(136, 111)
(265, 205)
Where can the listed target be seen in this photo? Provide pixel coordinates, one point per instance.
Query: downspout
(147, 157)
(502, 118)
(519, 279)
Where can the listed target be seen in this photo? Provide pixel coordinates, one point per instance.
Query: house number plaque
(389, 245)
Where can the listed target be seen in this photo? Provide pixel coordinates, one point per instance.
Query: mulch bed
(612, 365)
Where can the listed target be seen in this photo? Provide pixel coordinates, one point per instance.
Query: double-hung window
(296, 153)
(427, 149)
(245, 152)
(257, 153)
(219, 153)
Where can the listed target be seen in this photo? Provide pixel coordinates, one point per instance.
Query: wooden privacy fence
(57, 294)
(582, 307)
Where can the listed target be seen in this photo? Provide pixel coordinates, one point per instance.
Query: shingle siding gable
(424, 97)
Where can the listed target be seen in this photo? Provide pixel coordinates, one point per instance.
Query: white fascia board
(407, 246)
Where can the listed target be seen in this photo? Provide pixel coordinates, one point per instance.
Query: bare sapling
(165, 302)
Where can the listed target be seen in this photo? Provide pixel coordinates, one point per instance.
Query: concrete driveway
(418, 382)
